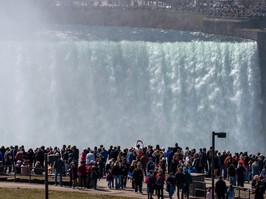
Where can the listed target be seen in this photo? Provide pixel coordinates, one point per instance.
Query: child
(73, 174)
(50, 168)
(150, 180)
(110, 179)
(209, 194)
(230, 192)
(170, 185)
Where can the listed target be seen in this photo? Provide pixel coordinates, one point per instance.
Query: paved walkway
(102, 188)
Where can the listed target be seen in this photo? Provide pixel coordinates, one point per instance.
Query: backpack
(147, 179)
(88, 169)
(95, 172)
(109, 176)
(159, 181)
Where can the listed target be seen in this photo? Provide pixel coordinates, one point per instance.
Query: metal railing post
(46, 177)
(15, 173)
(30, 168)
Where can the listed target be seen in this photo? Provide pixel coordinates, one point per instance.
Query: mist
(89, 85)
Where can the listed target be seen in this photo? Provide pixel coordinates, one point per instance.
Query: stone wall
(133, 17)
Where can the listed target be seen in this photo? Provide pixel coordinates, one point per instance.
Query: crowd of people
(159, 168)
(229, 10)
(218, 9)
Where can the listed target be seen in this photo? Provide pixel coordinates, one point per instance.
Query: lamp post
(46, 176)
(219, 135)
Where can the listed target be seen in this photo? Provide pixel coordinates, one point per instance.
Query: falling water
(83, 88)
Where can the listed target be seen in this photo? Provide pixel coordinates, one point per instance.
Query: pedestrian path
(102, 188)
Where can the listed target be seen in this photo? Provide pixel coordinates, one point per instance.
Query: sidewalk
(102, 189)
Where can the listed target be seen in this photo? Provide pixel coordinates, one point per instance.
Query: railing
(240, 192)
(15, 174)
(243, 189)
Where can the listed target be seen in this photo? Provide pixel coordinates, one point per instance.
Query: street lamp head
(221, 135)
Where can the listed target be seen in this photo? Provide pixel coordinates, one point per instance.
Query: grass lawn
(11, 193)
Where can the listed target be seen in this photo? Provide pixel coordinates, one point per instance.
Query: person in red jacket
(228, 160)
(19, 156)
(82, 174)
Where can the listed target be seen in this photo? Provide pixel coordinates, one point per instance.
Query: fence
(241, 192)
(26, 173)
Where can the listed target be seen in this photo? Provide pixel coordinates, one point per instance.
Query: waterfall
(91, 92)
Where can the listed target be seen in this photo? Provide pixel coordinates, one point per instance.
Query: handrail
(14, 173)
(249, 190)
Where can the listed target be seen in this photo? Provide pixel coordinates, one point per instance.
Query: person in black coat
(188, 181)
(259, 187)
(170, 185)
(220, 188)
(138, 177)
(232, 174)
(240, 172)
(180, 181)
